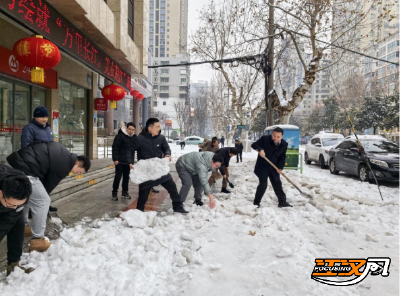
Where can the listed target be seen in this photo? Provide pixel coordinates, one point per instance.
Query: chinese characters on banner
(42, 18)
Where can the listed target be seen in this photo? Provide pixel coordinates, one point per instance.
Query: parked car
(317, 149)
(383, 157)
(192, 140)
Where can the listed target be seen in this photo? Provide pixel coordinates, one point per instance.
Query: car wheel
(363, 173)
(306, 159)
(322, 162)
(332, 167)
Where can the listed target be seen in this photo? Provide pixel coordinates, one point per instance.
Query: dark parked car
(383, 157)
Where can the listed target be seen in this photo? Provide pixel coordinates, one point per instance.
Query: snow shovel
(230, 184)
(301, 192)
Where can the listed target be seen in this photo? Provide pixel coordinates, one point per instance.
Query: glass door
(6, 123)
(22, 112)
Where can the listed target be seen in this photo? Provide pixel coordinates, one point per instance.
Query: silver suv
(317, 149)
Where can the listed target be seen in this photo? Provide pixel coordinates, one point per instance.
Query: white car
(317, 149)
(192, 140)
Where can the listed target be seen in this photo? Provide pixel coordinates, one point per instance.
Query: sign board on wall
(100, 104)
(55, 116)
(42, 18)
(11, 67)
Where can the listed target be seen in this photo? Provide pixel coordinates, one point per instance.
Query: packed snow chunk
(149, 169)
(215, 266)
(331, 215)
(186, 236)
(285, 252)
(139, 219)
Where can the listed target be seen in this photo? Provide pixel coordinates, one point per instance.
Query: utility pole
(270, 63)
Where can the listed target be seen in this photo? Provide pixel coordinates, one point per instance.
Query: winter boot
(114, 196)
(198, 203)
(180, 209)
(11, 268)
(224, 190)
(125, 195)
(28, 231)
(39, 245)
(52, 209)
(257, 204)
(283, 203)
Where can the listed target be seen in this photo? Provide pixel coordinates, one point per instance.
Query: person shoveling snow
(151, 144)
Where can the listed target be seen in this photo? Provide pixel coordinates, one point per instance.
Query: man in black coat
(274, 148)
(45, 164)
(226, 154)
(123, 144)
(150, 144)
(15, 190)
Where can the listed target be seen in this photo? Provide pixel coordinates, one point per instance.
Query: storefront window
(22, 116)
(6, 115)
(73, 117)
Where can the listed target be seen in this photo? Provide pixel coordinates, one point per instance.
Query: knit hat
(40, 112)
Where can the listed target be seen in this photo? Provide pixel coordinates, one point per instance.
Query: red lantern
(135, 93)
(140, 97)
(113, 93)
(38, 54)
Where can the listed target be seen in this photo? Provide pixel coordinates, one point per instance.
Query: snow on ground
(235, 249)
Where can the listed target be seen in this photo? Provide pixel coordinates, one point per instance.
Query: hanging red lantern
(113, 93)
(134, 93)
(140, 97)
(38, 54)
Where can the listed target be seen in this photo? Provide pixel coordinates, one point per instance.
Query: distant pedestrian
(182, 141)
(222, 141)
(274, 148)
(123, 144)
(45, 164)
(239, 147)
(226, 153)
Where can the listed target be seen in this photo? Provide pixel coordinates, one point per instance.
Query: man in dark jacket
(226, 153)
(15, 190)
(150, 144)
(274, 148)
(38, 129)
(239, 147)
(123, 144)
(222, 141)
(45, 164)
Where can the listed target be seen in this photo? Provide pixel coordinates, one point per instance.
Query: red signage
(42, 18)
(10, 66)
(100, 104)
(56, 114)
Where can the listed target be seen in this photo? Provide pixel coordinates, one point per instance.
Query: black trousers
(262, 187)
(237, 156)
(171, 188)
(13, 227)
(121, 170)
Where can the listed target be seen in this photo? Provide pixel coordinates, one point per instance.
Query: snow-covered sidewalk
(235, 249)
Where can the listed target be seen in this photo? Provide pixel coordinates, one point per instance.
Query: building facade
(101, 42)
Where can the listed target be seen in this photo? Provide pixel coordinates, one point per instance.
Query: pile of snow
(234, 249)
(149, 169)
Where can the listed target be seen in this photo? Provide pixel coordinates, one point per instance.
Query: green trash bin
(291, 134)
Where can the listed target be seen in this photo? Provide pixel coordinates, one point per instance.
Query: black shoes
(180, 209)
(198, 203)
(114, 196)
(52, 209)
(125, 195)
(257, 204)
(284, 204)
(224, 190)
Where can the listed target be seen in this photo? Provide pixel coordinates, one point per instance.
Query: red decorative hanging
(140, 97)
(135, 93)
(113, 93)
(38, 54)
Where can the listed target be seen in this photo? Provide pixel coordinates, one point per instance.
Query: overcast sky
(201, 72)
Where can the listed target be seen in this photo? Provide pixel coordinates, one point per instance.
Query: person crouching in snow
(274, 148)
(226, 153)
(15, 190)
(192, 169)
(122, 145)
(210, 146)
(45, 164)
(150, 144)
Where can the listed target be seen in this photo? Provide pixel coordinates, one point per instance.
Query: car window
(344, 145)
(331, 141)
(315, 141)
(379, 146)
(352, 145)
